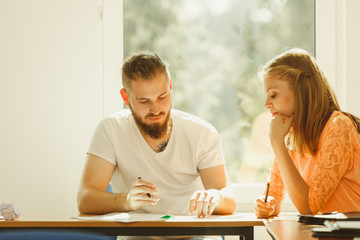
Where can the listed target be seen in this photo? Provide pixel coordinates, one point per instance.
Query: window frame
(330, 49)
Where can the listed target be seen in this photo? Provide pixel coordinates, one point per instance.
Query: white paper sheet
(126, 217)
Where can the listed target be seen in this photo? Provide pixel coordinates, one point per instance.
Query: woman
(316, 145)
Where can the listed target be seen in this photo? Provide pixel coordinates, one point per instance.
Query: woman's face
(279, 97)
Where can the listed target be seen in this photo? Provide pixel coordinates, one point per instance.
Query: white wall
(52, 85)
(338, 48)
(352, 54)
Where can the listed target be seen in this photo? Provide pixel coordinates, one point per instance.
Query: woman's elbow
(305, 211)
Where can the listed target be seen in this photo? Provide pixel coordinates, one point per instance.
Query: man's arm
(218, 197)
(92, 196)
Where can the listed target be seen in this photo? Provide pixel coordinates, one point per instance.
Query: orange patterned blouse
(333, 174)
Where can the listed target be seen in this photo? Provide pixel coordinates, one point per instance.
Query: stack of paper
(320, 219)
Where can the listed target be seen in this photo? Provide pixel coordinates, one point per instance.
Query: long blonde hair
(315, 100)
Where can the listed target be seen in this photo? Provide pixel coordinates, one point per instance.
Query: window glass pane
(215, 48)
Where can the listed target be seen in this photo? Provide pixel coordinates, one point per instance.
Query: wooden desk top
(235, 220)
(281, 229)
(287, 227)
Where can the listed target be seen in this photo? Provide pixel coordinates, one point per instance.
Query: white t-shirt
(194, 144)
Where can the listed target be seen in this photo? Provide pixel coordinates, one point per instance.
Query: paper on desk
(343, 225)
(125, 217)
(9, 211)
(215, 218)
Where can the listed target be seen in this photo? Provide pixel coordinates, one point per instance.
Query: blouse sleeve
(276, 183)
(334, 156)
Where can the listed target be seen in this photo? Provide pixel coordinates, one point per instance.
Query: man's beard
(154, 130)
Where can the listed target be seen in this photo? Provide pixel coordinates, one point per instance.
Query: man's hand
(204, 202)
(142, 193)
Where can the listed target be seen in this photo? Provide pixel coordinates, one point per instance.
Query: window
(214, 49)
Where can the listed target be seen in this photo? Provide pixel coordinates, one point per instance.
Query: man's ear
(170, 84)
(124, 96)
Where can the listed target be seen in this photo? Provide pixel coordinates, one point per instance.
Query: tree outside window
(214, 50)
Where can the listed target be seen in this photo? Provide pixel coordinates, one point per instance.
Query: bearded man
(158, 159)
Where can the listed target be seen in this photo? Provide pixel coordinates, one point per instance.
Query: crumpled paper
(9, 211)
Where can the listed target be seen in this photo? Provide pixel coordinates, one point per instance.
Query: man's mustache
(154, 115)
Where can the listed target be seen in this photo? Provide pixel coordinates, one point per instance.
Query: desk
(287, 227)
(241, 224)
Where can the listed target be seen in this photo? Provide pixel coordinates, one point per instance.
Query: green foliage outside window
(214, 49)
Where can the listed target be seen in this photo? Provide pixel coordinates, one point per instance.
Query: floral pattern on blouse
(333, 174)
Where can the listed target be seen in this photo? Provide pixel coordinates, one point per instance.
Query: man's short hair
(142, 66)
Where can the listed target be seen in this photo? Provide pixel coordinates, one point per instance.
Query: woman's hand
(280, 126)
(265, 209)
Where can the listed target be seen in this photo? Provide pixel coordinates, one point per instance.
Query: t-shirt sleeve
(276, 183)
(210, 150)
(101, 144)
(334, 156)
